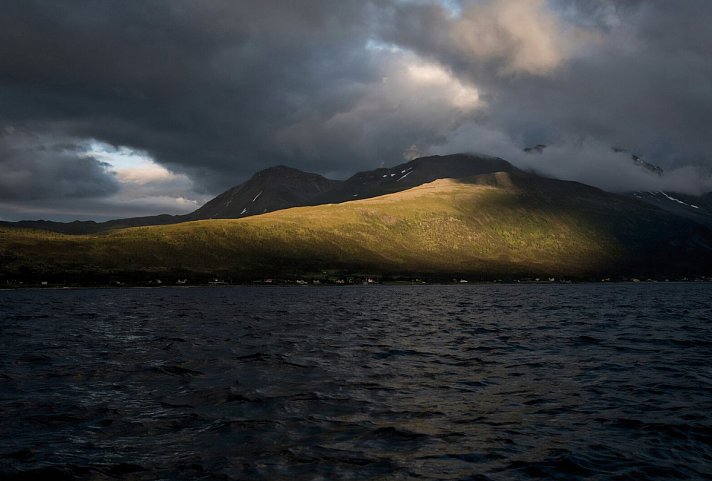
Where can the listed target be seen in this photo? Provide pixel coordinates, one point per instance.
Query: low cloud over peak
(211, 92)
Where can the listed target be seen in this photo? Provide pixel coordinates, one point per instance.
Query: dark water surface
(477, 382)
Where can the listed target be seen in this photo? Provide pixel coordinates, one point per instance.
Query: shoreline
(295, 285)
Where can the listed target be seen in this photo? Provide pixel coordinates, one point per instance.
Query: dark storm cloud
(42, 167)
(219, 89)
(204, 85)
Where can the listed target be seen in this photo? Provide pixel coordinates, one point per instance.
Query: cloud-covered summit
(209, 92)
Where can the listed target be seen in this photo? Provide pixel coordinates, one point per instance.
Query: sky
(115, 109)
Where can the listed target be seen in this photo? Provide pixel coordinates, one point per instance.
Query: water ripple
(479, 382)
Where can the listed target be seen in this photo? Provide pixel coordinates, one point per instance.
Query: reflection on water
(482, 382)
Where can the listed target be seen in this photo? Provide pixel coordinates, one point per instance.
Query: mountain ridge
(281, 187)
(488, 226)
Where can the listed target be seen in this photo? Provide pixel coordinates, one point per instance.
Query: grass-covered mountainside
(488, 226)
(283, 187)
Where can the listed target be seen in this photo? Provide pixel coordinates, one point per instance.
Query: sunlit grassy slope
(489, 226)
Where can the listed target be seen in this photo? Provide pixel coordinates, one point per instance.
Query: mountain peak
(481, 163)
(413, 173)
(271, 189)
(280, 170)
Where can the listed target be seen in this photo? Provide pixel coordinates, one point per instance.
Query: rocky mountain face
(696, 208)
(271, 189)
(642, 163)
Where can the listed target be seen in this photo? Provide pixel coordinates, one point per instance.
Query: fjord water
(499, 382)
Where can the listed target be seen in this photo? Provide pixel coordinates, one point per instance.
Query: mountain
(696, 208)
(411, 174)
(271, 189)
(283, 187)
(433, 216)
(91, 227)
(268, 190)
(487, 226)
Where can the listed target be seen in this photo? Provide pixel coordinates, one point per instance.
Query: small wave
(176, 370)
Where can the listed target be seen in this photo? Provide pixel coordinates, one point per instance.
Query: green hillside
(488, 226)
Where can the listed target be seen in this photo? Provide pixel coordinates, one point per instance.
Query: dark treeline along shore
(436, 218)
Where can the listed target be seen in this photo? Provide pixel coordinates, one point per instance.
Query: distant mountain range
(284, 187)
(464, 215)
